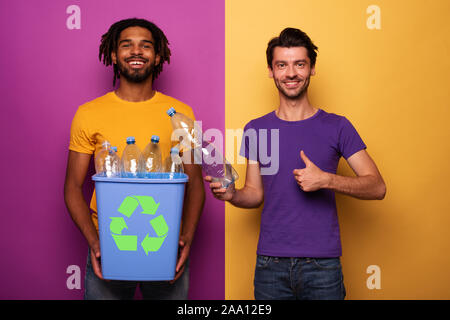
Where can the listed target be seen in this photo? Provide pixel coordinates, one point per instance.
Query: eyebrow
(284, 61)
(129, 40)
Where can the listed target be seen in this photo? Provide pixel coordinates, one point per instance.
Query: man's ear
(313, 71)
(270, 72)
(157, 60)
(114, 57)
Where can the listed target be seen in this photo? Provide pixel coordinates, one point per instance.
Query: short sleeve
(349, 140)
(79, 136)
(249, 143)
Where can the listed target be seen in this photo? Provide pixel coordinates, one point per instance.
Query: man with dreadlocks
(137, 49)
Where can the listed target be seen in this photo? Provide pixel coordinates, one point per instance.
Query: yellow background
(393, 85)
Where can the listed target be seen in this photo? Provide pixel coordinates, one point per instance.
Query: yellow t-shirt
(113, 119)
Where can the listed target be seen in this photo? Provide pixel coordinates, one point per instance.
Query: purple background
(46, 72)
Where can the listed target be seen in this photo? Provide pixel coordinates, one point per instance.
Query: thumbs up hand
(311, 178)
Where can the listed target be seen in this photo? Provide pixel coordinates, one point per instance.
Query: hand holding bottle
(219, 192)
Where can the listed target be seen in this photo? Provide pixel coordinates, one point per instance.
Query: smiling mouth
(136, 64)
(292, 84)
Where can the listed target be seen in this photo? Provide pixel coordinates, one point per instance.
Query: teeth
(136, 62)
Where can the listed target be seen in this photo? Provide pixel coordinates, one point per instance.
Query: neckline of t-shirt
(136, 103)
(314, 116)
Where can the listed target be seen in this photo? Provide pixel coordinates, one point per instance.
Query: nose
(136, 50)
(290, 71)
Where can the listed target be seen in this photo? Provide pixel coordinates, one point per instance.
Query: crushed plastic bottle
(216, 166)
(130, 159)
(107, 162)
(213, 163)
(150, 160)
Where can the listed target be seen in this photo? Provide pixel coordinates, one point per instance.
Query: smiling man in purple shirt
(299, 248)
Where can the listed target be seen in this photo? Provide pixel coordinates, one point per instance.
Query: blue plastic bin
(139, 225)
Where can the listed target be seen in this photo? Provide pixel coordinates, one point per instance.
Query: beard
(135, 75)
(292, 95)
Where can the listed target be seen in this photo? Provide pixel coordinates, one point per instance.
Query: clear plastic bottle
(150, 160)
(216, 166)
(173, 163)
(213, 163)
(107, 161)
(187, 129)
(130, 159)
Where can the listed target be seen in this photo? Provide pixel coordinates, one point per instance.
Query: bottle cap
(106, 144)
(171, 112)
(155, 139)
(130, 140)
(114, 149)
(174, 150)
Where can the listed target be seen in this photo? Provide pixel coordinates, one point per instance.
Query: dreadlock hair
(110, 40)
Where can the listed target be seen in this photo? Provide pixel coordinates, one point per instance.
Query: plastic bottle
(216, 166)
(107, 162)
(213, 163)
(186, 129)
(130, 159)
(150, 160)
(173, 163)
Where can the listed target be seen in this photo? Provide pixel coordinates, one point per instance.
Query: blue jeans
(298, 279)
(98, 289)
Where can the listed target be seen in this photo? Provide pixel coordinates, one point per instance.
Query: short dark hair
(110, 40)
(291, 37)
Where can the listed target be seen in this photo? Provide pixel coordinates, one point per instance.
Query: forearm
(247, 197)
(80, 214)
(362, 187)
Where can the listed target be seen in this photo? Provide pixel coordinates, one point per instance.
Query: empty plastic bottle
(151, 157)
(187, 129)
(216, 166)
(130, 159)
(107, 162)
(173, 163)
(213, 163)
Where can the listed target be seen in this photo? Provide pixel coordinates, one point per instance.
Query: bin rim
(179, 178)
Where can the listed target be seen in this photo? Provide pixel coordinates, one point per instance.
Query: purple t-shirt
(295, 223)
